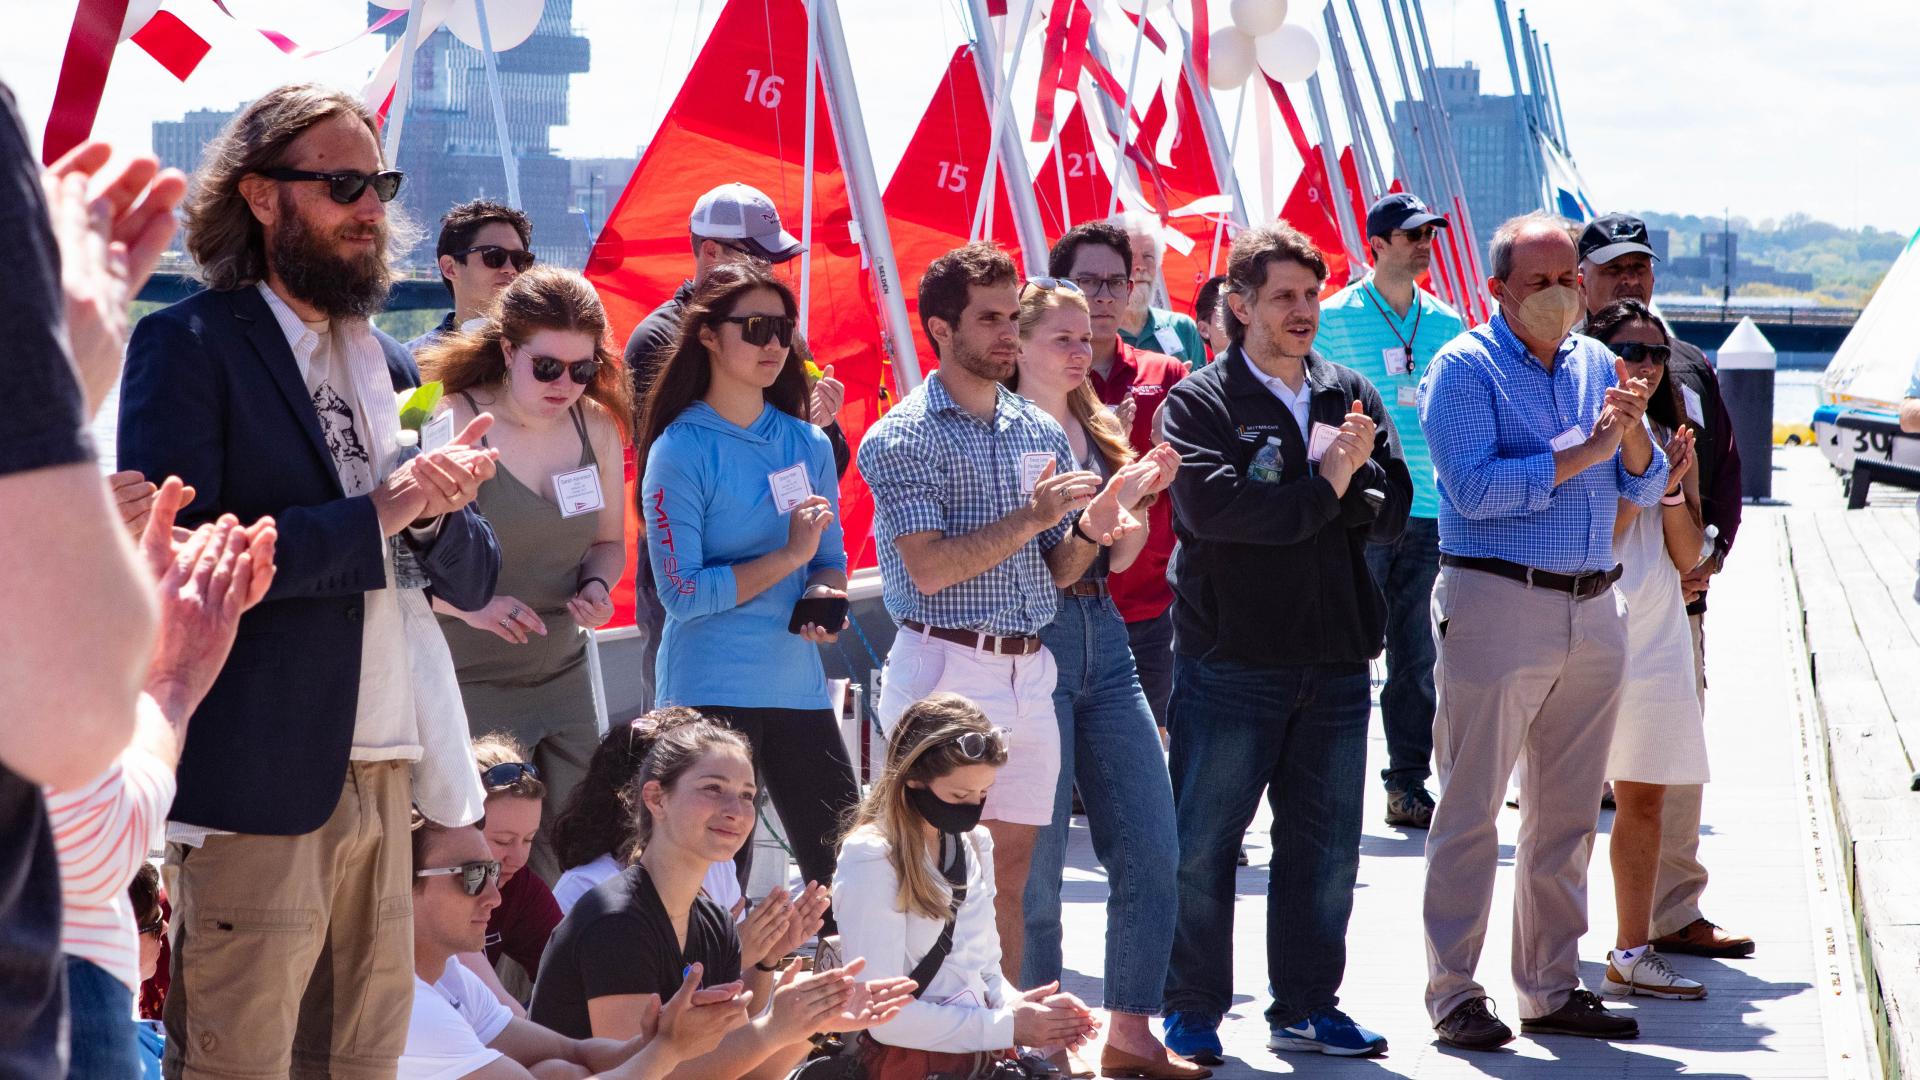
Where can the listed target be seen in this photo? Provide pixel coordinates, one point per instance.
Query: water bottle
(1266, 462)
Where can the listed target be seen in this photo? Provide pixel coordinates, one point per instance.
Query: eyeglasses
(1421, 234)
(1119, 286)
(761, 329)
(475, 876)
(345, 187)
(1634, 352)
(508, 773)
(1051, 284)
(156, 926)
(494, 256)
(548, 369)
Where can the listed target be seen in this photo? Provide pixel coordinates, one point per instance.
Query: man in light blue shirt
(1535, 441)
(1388, 329)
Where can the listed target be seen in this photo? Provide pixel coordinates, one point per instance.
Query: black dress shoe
(1472, 1026)
(1583, 1015)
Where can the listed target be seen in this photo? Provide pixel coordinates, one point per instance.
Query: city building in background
(1494, 152)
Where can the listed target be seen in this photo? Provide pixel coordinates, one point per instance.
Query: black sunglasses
(761, 329)
(1424, 232)
(494, 256)
(508, 773)
(1634, 352)
(474, 876)
(548, 369)
(345, 187)
(157, 926)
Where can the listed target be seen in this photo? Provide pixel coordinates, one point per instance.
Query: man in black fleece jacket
(1289, 465)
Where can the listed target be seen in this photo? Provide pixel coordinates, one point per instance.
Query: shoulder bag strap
(956, 874)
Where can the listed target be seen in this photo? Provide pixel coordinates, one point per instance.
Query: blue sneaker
(1194, 1036)
(1328, 1031)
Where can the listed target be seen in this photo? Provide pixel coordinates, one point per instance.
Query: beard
(308, 264)
(983, 363)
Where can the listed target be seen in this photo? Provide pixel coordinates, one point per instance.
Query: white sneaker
(1648, 975)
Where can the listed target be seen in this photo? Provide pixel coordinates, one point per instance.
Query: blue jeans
(1301, 734)
(100, 1006)
(1109, 744)
(1404, 570)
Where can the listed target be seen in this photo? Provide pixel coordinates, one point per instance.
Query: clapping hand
(1106, 518)
(694, 1021)
(805, 1003)
(1125, 411)
(764, 926)
(1680, 457)
(1055, 496)
(1150, 474)
(809, 914)
(1044, 1019)
(212, 576)
(133, 497)
(1350, 449)
(873, 1002)
(439, 481)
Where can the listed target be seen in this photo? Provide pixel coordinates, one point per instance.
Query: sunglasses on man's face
(1634, 352)
(346, 187)
(493, 256)
(548, 369)
(508, 773)
(1420, 235)
(474, 876)
(762, 329)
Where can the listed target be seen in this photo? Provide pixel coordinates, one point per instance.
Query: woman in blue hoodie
(740, 499)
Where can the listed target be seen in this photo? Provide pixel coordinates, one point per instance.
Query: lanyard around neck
(1406, 343)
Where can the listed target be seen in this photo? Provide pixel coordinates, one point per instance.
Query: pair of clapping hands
(1108, 512)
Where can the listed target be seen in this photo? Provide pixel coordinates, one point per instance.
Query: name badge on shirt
(1398, 359)
(1408, 396)
(1031, 466)
(1695, 412)
(436, 432)
(790, 487)
(1169, 341)
(1320, 439)
(1568, 439)
(579, 491)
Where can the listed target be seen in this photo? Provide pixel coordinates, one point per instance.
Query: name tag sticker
(1408, 396)
(790, 487)
(1031, 466)
(1568, 439)
(436, 432)
(579, 491)
(1169, 341)
(1319, 439)
(1695, 412)
(1397, 360)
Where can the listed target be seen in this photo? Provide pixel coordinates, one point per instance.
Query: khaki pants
(293, 955)
(1681, 878)
(1517, 667)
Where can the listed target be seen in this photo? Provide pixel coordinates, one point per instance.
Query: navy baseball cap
(1400, 210)
(1607, 238)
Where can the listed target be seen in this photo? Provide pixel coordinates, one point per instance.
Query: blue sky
(1686, 106)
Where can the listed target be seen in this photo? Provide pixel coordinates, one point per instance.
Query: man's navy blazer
(213, 395)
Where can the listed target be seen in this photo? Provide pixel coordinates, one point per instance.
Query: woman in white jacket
(893, 898)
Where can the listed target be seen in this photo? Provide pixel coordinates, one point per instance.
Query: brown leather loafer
(1171, 1066)
(1703, 938)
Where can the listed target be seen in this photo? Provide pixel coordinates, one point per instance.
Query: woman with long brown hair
(740, 500)
(1109, 743)
(541, 365)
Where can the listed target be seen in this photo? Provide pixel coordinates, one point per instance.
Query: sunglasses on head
(761, 329)
(1052, 284)
(493, 256)
(977, 745)
(474, 876)
(508, 773)
(345, 187)
(549, 369)
(1633, 352)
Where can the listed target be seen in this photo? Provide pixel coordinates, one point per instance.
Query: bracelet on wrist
(1081, 533)
(762, 965)
(1673, 499)
(586, 581)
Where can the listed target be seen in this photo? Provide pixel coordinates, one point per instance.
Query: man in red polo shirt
(1098, 258)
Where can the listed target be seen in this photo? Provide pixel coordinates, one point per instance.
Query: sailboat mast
(1336, 183)
(1219, 147)
(863, 192)
(1012, 150)
(1521, 112)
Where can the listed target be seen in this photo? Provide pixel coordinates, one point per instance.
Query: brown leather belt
(1096, 587)
(1582, 586)
(973, 639)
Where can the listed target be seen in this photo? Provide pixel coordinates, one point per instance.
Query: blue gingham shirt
(935, 467)
(1490, 412)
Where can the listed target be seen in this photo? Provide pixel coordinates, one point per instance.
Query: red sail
(1309, 208)
(1073, 174)
(1189, 177)
(741, 116)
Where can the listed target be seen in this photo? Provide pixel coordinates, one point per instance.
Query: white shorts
(1016, 693)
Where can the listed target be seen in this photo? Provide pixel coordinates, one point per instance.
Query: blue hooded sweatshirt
(708, 504)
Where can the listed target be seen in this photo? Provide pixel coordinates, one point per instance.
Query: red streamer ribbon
(1294, 126)
(1201, 42)
(173, 43)
(1051, 57)
(83, 75)
(294, 49)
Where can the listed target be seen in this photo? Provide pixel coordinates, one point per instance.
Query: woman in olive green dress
(559, 398)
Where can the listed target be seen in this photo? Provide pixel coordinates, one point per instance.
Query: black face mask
(954, 818)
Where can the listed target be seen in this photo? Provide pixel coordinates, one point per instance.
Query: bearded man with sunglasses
(482, 248)
(271, 393)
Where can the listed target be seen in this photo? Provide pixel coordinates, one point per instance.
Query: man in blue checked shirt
(1387, 328)
(1535, 441)
(980, 520)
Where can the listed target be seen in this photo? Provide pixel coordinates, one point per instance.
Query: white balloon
(1257, 17)
(511, 21)
(1230, 58)
(138, 12)
(1289, 54)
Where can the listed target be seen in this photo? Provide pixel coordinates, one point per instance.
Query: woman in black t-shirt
(624, 946)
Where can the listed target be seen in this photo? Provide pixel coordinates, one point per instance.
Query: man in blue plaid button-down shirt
(1535, 442)
(979, 520)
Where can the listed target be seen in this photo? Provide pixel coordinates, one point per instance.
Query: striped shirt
(935, 467)
(1491, 413)
(101, 833)
(1358, 329)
